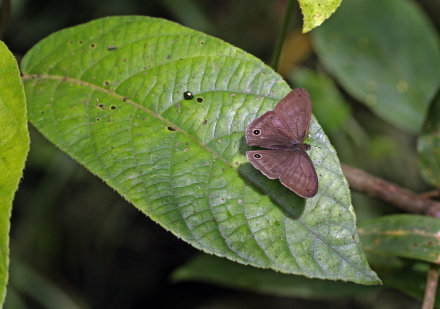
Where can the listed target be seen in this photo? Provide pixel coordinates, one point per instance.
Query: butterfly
(282, 132)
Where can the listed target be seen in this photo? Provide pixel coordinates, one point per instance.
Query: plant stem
(405, 199)
(282, 35)
(431, 287)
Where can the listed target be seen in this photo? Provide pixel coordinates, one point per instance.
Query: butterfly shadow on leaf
(289, 202)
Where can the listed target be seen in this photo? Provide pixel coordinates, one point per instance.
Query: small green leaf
(329, 106)
(385, 54)
(111, 94)
(14, 147)
(315, 12)
(428, 144)
(211, 269)
(410, 236)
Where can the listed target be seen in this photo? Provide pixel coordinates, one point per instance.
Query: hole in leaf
(171, 128)
(113, 107)
(199, 99)
(92, 45)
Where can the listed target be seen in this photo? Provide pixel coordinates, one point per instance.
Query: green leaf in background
(111, 94)
(410, 236)
(409, 278)
(14, 147)
(328, 105)
(428, 144)
(315, 12)
(394, 72)
(211, 269)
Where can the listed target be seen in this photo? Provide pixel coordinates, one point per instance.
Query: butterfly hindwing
(270, 162)
(300, 175)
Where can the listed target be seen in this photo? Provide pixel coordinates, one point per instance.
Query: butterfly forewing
(268, 131)
(300, 175)
(294, 111)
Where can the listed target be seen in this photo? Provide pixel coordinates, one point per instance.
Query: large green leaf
(316, 11)
(428, 144)
(386, 55)
(410, 236)
(14, 147)
(111, 94)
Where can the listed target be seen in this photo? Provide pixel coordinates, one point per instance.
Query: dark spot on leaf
(199, 100)
(124, 99)
(106, 83)
(124, 60)
(80, 42)
(70, 42)
(98, 119)
(205, 122)
(177, 105)
(113, 107)
(236, 163)
(92, 45)
(171, 128)
(169, 57)
(202, 42)
(111, 48)
(101, 106)
(188, 95)
(42, 112)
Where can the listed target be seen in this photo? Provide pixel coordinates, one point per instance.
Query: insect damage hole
(199, 100)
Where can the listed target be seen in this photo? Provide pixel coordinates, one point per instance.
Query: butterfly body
(282, 133)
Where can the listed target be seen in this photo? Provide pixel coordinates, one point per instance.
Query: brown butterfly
(283, 131)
